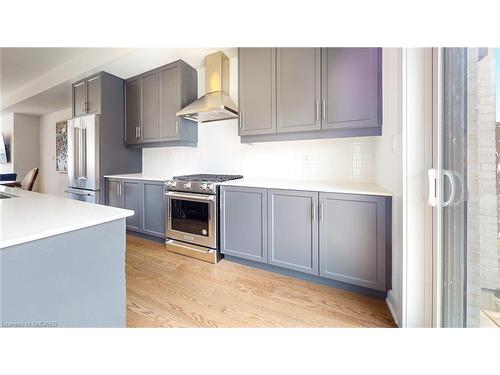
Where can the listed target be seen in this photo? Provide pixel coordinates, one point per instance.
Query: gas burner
(208, 177)
(199, 183)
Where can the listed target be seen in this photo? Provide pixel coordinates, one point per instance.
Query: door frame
(418, 228)
(437, 163)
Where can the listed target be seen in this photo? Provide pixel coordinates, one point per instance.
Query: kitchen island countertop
(30, 216)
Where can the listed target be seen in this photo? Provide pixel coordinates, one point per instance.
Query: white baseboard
(393, 307)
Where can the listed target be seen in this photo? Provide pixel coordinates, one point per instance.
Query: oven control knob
(203, 187)
(187, 185)
(171, 184)
(211, 187)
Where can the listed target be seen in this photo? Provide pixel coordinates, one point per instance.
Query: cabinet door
(298, 89)
(243, 222)
(132, 200)
(79, 98)
(149, 107)
(154, 208)
(132, 110)
(353, 239)
(94, 95)
(257, 90)
(169, 102)
(113, 193)
(351, 88)
(293, 230)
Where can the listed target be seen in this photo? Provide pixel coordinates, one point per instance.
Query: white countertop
(31, 216)
(141, 176)
(320, 186)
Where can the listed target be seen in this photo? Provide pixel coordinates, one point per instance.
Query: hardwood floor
(169, 290)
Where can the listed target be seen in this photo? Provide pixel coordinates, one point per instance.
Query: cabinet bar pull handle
(177, 127)
(324, 109)
(140, 131)
(313, 211)
(321, 211)
(117, 189)
(241, 120)
(317, 110)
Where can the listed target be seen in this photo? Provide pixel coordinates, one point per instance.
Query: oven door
(192, 218)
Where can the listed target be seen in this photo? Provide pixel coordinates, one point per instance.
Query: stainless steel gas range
(192, 215)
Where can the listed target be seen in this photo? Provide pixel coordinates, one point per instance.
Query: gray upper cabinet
(170, 102)
(79, 98)
(353, 239)
(113, 193)
(87, 96)
(94, 95)
(132, 200)
(293, 230)
(308, 93)
(152, 100)
(149, 97)
(298, 89)
(257, 90)
(153, 208)
(351, 88)
(133, 111)
(243, 222)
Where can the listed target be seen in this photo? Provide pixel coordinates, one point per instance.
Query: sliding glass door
(463, 188)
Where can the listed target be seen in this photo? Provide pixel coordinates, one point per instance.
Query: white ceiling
(22, 65)
(38, 80)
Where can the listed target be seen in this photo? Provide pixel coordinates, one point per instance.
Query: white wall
(21, 134)
(25, 153)
(388, 165)
(51, 181)
(7, 127)
(220, 151)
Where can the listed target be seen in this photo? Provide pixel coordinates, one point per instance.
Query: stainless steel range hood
(216, 104)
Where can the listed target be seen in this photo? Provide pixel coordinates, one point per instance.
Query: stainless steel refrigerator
(84, 158)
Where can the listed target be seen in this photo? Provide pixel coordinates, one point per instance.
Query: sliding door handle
(451, 178)
(433, 198)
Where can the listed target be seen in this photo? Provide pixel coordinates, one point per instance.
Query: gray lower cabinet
(145, 198)
(113, 193)
(153, 208)
(257, 90)
(132, 200)
(351, 88)
(243, 222)
(344, 237)
(298, 89)
(293, 230)
(353, 239)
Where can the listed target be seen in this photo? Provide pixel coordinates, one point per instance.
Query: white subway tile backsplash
(220, 151)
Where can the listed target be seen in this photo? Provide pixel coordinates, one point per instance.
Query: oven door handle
(187, 196)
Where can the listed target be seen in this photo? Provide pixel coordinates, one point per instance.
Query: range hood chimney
(216, 104)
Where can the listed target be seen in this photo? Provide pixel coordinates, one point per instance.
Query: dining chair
(29, 180)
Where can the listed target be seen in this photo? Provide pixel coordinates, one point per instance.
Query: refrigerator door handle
(82, 154)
